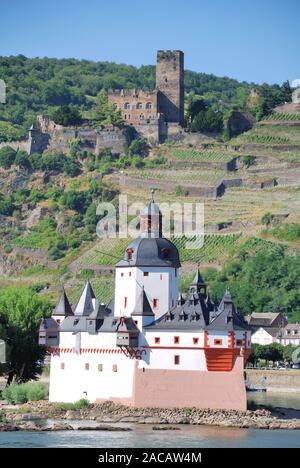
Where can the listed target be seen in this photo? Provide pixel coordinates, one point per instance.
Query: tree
(7, 157)
(67, 115)
(103, 114)
(138, 148)
(20, 312)
(6, 205)
(22, 160)
(207, 121)
(71, 167)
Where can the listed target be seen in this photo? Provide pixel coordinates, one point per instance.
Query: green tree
(102, 113)
(67, 115)
(7, 157)
(20, 313)
(22, 160)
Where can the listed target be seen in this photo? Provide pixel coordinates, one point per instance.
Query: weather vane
(153, 190)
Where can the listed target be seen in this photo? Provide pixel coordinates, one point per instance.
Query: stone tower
(170, 85)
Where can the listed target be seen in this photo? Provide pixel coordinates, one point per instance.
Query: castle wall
(159, 388)
(135, 105)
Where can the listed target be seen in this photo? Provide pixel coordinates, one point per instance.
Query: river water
(143, 436)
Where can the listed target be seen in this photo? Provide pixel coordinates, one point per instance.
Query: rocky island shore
(45, 416)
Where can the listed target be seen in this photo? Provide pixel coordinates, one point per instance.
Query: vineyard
(265, 139)
(204, 177)
(218, 156)
(280, 116)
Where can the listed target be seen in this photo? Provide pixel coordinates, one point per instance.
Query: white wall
(161, 284)
(262, 337)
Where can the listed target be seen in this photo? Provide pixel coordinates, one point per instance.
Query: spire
(151, 219)
(198, 282)
(142, 305)
(85, 304)
(63, 307)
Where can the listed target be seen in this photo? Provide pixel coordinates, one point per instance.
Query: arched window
(141, 116)
(126, 105)
(139, 105)
(149, 105)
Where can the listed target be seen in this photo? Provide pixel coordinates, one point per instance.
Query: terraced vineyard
(266, 139)
(280, 116)
(203, 177)
(208, 156)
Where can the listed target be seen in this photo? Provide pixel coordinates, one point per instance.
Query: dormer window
(129, 252)
(166, 253)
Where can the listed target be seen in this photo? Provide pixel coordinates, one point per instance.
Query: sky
(250, 40)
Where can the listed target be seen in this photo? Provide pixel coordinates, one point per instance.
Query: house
(291, 334)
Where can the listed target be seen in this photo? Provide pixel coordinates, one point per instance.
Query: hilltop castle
(159, 113)
(150, 347)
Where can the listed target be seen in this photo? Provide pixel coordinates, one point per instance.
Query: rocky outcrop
(107, 412)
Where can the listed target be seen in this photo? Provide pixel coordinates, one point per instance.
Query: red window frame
(125, 302)
(239, 342)
(157, 340)
(155, 303)
(176, 360)
(195, 341)
(176, 340)
(146, 273)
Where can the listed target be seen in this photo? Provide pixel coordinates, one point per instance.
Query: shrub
(67, 115)
(8, 249)
(7, 157)
(21, 393)
(248, 160)
(181, 191)
(83, 403)
(22, 160)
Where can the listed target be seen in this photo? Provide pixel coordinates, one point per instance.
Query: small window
(139, 105)
(176, 360)
(155, 303)
(161, 277)
(157, 340)
(58, 321)
(130, 273)
(218, 342)
(125, 302)
(87, 366)
(129, 253)
(239, 342)
(126, 105)
(122, 274)
(62, 365)
(115, 368)
(136, 322)
(149, 105)
(91, 322)
(166, 253)
(195, 341)
(175, 272)
(146, 273)
(100, 367)
(142, 117)
(176, 340)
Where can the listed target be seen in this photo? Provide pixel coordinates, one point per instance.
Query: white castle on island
(150, 347)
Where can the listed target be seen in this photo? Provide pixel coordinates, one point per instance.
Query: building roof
(104, 324)
(142, 305)
(85, 304)
(63, 307)
(274, 332)
(198, 281)
(227, 318)
(189, 315)
(264, 319)
(154, 252)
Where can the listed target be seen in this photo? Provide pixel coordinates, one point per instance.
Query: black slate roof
(154, 252)
(63, 307)
(142, 305)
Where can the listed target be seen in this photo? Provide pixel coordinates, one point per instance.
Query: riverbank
(277, 380)
(34, 416)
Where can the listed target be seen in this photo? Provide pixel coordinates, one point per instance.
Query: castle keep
(159, 113)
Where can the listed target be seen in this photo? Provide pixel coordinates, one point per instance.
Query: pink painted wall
(173, 388)
(156, 388)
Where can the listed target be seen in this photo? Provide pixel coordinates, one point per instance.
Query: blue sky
(251, 40)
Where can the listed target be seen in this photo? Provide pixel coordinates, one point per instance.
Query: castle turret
(150, 262)
(63, 308)
(87, 302)
(142, 313)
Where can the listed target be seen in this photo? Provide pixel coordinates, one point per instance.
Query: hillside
(40, 85)
(249, 186)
